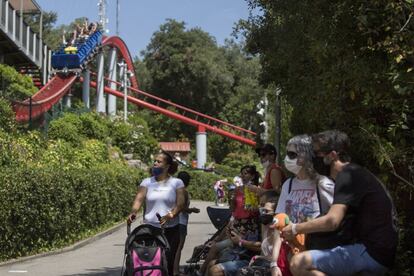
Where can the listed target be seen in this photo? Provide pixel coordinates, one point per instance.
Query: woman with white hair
(304, 196)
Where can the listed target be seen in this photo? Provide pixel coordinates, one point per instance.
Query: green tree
(187, 67)
(346, 65)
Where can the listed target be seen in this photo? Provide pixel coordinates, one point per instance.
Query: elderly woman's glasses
(291, 154)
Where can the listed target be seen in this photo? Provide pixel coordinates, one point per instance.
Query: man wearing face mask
(359, 193)
(274, 175)
(304, 196)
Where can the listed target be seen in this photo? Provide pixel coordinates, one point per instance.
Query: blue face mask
(157, 171)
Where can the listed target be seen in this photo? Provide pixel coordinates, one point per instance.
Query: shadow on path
(106, 271)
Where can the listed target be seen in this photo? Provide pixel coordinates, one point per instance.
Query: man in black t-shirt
(360, 194)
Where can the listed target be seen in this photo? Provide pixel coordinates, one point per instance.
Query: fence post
(30, 112)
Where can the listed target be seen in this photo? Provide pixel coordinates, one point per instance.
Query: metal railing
(27, 41)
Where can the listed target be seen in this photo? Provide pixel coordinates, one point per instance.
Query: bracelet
(294, 232)
(241, 242)
(171, 213)
(273, 264)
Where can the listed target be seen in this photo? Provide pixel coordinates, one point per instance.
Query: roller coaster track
(60, 85)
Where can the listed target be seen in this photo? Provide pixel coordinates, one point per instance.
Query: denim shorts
(346, 260)
(231, 267)
(221, 245)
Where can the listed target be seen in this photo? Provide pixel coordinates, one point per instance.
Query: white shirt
(161, 197)
(183, 216)
(301, 204)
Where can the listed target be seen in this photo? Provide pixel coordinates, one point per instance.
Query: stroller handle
(128, 228)
(129, 222)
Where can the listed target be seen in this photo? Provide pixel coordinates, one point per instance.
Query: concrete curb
(68, 248)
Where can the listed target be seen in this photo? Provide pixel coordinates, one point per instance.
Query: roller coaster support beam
(123, 76)
(100, 96)
(201, 147)
(86, 88)
(67, 100)
(112, 85)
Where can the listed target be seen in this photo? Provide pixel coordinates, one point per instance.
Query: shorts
(232, 267)
(224, 244)
(346, 260)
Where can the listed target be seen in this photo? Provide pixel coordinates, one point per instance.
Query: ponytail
(173, 166)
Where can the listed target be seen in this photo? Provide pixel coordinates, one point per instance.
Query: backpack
(145, 252)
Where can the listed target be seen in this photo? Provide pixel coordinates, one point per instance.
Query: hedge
(202, 185)
(45, 208)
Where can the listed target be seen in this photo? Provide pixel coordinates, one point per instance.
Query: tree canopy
(187, 67)
(345, 65)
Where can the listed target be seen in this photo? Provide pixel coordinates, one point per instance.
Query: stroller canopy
(147, 232)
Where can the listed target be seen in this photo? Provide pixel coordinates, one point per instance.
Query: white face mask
(266, 164)
(291, 165)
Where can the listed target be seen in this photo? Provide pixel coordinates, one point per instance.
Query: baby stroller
(145, 252)
(219, 217)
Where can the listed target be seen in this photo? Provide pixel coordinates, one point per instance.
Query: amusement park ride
(69, 68)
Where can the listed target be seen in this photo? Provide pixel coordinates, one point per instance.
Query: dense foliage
(47, 207)
(13, 85)
(187, 67)
(346, 65)
(130, 137)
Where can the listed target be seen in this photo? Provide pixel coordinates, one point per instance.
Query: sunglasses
(291, 154)
(264, 211)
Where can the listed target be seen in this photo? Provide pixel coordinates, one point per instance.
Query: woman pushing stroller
(163, 196)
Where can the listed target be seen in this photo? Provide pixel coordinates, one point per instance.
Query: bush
(7, 121)
(94, 126)
(134, 137)
(201, 185)
(237, 160)
(66, 128)
(57, 206)
(227, 171)
(18, 87)
(20, 149)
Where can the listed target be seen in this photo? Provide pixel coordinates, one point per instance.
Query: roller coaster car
(73, 57)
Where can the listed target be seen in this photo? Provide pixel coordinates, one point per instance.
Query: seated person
(303, 197)
(233, 258)
(92, 28)
(244, 221)
(264, 260)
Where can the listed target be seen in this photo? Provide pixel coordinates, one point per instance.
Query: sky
(139, 19)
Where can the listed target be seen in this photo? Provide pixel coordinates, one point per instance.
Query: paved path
(104, 257)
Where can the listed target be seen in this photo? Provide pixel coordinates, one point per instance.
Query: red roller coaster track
(59, 86)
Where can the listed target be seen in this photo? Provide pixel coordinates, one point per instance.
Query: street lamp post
(278, 122)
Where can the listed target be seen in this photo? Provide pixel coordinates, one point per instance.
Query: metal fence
(28, 42)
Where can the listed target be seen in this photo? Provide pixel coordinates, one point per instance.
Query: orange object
(279, 222)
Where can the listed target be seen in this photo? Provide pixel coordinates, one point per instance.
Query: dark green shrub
(226, 171)
(17, 86)
(134, 137)
(7, 121)
(94, 126)
(47, 207)
(66, 128)
(202, 185)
